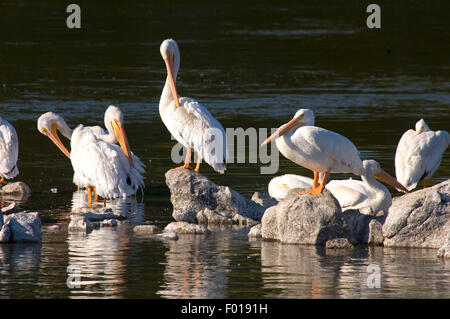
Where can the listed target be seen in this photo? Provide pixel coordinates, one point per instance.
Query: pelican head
(49, 124)
(114, 124)
(372, 167)
(421, 126)
(171, 56)
(303, 117)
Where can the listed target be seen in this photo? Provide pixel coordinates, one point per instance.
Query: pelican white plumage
(316, 149)
(419, 154)
(188, 121)
(9, 151)
(280, 186)
(112, 170)
(367, 195)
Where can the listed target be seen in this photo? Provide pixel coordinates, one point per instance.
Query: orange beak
(388, 179)
(173, 88)
(121, 136)
(53, 136)
(283, 130)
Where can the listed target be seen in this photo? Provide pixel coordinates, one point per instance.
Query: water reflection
(196, 267)
(100, 257)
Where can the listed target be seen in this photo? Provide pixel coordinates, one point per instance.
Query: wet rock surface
(21, 227)
(88, 221)
(419, 219)
(196, 199)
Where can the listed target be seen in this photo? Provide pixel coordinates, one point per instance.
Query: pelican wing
(349, 193)
(9, 150)
(281, 185)
(419, 156)
(336, 147)
(194, 127)
(100, 164)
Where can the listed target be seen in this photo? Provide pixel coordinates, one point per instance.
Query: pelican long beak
(121, 136)
(388, 179)
(283, 130)
(173, 88)
(53, 136)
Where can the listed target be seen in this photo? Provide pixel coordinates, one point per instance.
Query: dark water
(252, 65)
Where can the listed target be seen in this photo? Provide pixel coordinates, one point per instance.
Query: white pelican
(189, 122)
(9, 151)
(419, 154)
(281, 185)
(112, 170)
(316, 149)
(368, 195)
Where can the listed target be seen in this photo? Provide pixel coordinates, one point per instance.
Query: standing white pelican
(316, 149)
(9, 151)
(98, 163)
(189, 122)
(419, 154)
(368, 195)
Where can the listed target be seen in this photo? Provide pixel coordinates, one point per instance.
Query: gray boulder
(16, 190)
(419, 219)
(264, 199)
(255, 231)
(306, 219)
(23, 226)
(196, 199)
(185, 228)
(146, 229)
(364, 229)
(338, 243)
(88, 221)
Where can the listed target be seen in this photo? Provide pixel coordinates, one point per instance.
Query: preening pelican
(316, 149)
(419, 154)
(368, 195)
(112, 170)
(9, 151)
(189, 122)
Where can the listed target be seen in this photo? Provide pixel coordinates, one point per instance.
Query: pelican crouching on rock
(188, 121)
(419, 154)
(317, 149)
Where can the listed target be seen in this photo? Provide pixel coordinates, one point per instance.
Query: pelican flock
(419, 154)
(99, 164)
(111, 170)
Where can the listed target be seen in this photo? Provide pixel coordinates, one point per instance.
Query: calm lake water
(253, 66)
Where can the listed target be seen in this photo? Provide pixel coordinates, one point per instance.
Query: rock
(88, 221)
(195, 197)
(375, 233)
(186, 228)
(11, 208)
(24, 226)
(18, 190)
(264, 199)
(80, 223)
(338, 243)
(146, 229)
(5, 233)
(444, 251)
(307, 219)
(255, 231)
(419, 219)
(359, 227)
(167, 235)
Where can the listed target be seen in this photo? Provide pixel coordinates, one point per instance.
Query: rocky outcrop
(21, 227)
(196, 199)
(88, 221)
(16, 190)
(364, 229)
(306, 219)
(186, 228)
(419, 219)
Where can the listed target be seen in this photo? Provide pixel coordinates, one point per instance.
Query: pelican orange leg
(317, 189)
(199, 160)
(186, 161)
